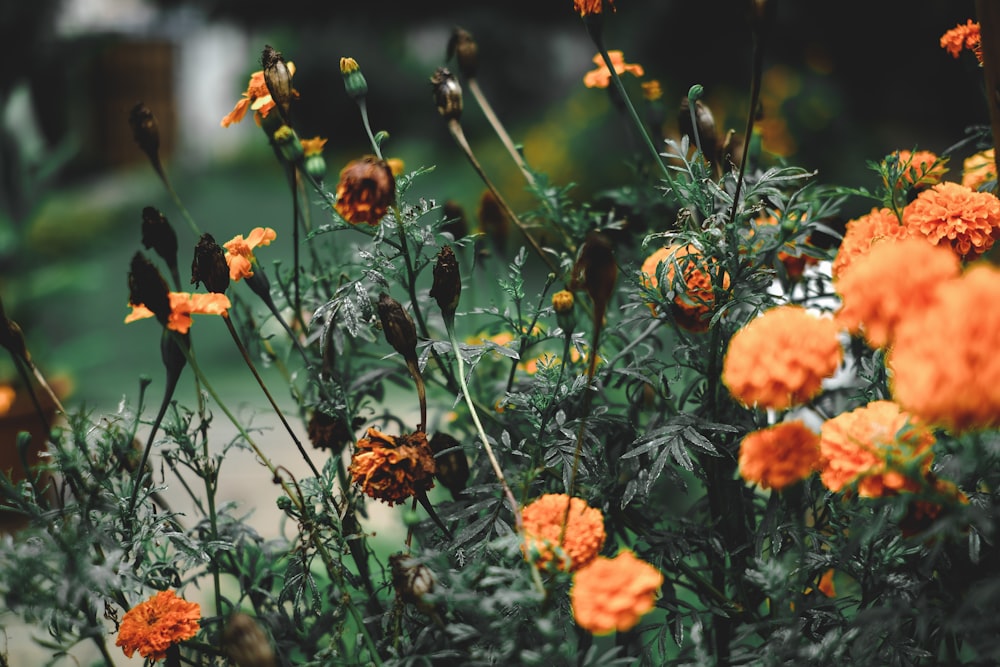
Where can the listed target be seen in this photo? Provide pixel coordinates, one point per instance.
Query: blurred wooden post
(988, 13)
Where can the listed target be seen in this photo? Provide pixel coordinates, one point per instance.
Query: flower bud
(289, 144)
(278, 79)
(314, 164)
(465, 50)
(209, 265)
(159, 236)
(562, 303)
(412, 579)
(398, 326)
(447, 94)
(245, 643)
(452, 466)
(146, 287)
(354, 81)
(454, 220)
(145, 130)
(447, 285)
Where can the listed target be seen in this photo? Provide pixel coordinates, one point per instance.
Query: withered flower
(393, 468)
(245, 643)
(447, 94)
(366, 190)
(596, 271)
(398, 326)
(145, 131)
(452, 466)
(412, 579)
(146, 287)
(328, 432)
(278, 79)
(447, 285)
(209, 265)
(454, 219)
(159, 236)
(463, 47)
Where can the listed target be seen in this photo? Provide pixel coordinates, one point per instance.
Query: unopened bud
(447, 94)
(314, 163)
(245, 643)
(412, 579)
(398, 326)
(447, 285)
(159, 236)
(145, 130)
(146, 287)
(452, 466)
(288, 143)
(562, 303)
(209, 265)
(278, 79)
(465, 50)
(354, 81)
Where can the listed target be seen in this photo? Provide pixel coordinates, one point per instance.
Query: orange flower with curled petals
(543, 521)
(944, 367)
(781, 358)
(182, 306)
(591, 7)
(953, 214)
(239, 251)
(256, 97)
(960, 37)
(878, 446)
(601, 77)
(979, 169)
(612, 594)
(779, 456)
(890, 283)
(918, 169)
(366, 190)
(862, 233)
(153, 626)
(695, 298)
(393, 468)
(313, 146)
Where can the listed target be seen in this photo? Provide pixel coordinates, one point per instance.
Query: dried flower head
(145, 130)
(864, 232)
(781, 358)
(601, 77)
(447, 285)
(182, 306)
(592, 7)
(612, 594)
(779, 456)
(146, 287)
(239, 251)
(256, 98)
(447, 94)
(159, 236)
(963, 37)
(919, 169)
(398, 327)
(393, 468)
(328, 432)
(209, 265)
(452, 466)
(153, 626)
(412, 580)
(570, 540)
(277, 79)
(979, 169)
(245, 642)
(366, 190)
(463, 47)
(694, 300)
(878, 446)
(955, 215)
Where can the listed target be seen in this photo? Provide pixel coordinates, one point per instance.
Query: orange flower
(979, 169)
(7, 395)
(861, 234)
(950, 213)
(692, 307)
(893, 281)
(543, 525)
(313, 146)
(944, 362)
(239, 251)
(601, 77)
(590, 7)
(876, 446)
(182, 306)
(780, 358)
(825, 585)
(963, 37)
(393, 469)
(612, 594)
(255, 97)
(651, 90)
(779, 456)
(366, 190)
(153, 626)
(918, 169)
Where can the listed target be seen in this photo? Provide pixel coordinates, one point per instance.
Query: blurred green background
(846, 82)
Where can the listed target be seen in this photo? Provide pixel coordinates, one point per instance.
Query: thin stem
(162, 173)
(473, 86)
(363, 107)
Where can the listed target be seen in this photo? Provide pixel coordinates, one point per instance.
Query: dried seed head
(412, 579)
(245, 643)
(454, 220)
(145, 130)
(452, 466)
(366, 190)
(493, 220)
(354, 81)
(209, 265)
(447, 285)
(328, 432)
(278, 79)
(447, 94)
(398, 326)
(463, 47)
(596, 270)
(146, 287)
(159, 236)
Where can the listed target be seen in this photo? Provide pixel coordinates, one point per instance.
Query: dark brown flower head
(12, 338)
(707, 133)
(145, 130)
(447, 94)
(245, 642)
(412, 579)
(146, 287)
(447, 285)
(452, 466)
(328, 432)
(590, 8)
(159, 236)
(209, 265)
(595, 270)
(393, 468)
(492, 220)
(366, 190)
(463, 47)
(454, 220)
(398, 326)
(278, 79)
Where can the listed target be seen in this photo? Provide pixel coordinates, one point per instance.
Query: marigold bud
(159, 236)
(146, 287)
(289, 144)
(447, 285)
(354, 81)
(562, 303)
(209, 265)
(452, 466)
(366, 190)
(398, 326)
(447, 94)
(245, 643)
(465, 50)
(278, 79)
(412, 579)
(145, 130)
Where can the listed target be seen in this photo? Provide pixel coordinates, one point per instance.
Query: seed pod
(452, 466)
(159, 236)
(146, 287)
(245, 643)
(463, 47)
(278, 79)
(209, 265)
(447, 285)
(412, 579)
(398, 326)
(145, 130)
(447, 94)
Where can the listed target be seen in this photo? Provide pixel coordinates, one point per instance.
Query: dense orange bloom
(893, 281)
(953, 214)
(781, 358)
(862, 233)
(313, 146)
(944, 362)
(612, 594)
(589, 7)
(366, 190)
(778, 456)
(182, 306)
(963, 37)
(239, 251)
(692, 307)
(151, 627)
(794, 261)
(979, 168)
(543, 521)
(601, 77)
(875, 446)
(393, 469)
(255, 97)
(919, 169)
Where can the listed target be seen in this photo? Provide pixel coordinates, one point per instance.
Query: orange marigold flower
(366, 190)
(693, 305)
(182, 306)
(979, 168)
(953, 214)
(239, 251)
(877, 446)
(313, 146)
(893, 281)
(393, 469)
(861, 234)
(779, 456)
(919, 169)
(601, 77)
(963, 37)
(589, 7)
(781, 358)
(543, 526)
(151, 627)
(612, 594)
(944, 363)
(255, 97)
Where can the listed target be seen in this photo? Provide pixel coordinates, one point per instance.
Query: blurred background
(846, 82)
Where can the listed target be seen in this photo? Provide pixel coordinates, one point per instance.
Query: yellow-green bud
(354, 81)
(288, 143)
(315, 166)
